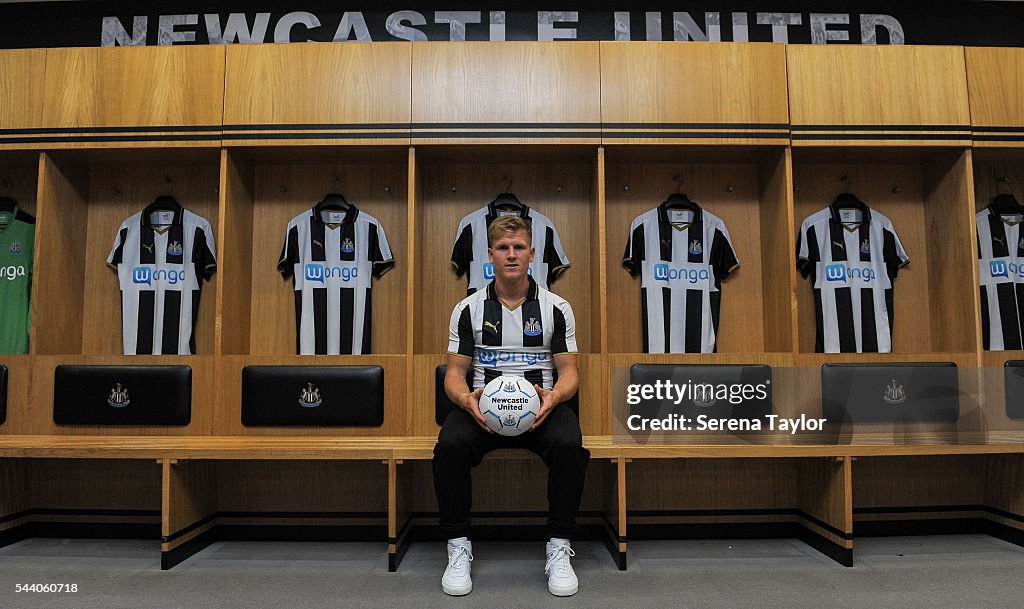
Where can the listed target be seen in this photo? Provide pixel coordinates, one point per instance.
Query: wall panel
(308, 94)
(700, 93)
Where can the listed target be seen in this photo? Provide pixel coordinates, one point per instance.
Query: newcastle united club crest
(15, 247)
(174, 248)
(894, 393)
(865, 247)
(695, 249)
(118, 397)
(348, 246)
(532, 327)
(704, 396)
(309, 397)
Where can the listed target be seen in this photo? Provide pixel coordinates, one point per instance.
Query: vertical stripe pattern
(681, 268)
(851, 260)
(521, 341)
(160, 269)
(332, 258)
(1001, 273)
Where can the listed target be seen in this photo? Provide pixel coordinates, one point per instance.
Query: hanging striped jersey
(1001, 273)
(17, 239)
(851, 257)
(682, 256)
(162, 257)
(332, 257)
(520, 342)
(470, 252)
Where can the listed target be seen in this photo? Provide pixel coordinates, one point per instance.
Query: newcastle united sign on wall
(46, 24)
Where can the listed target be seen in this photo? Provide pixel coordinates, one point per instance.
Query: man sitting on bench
(494, 322)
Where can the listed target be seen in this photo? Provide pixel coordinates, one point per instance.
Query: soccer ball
(509, 405)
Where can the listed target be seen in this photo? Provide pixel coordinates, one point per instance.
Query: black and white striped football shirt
(333, 257)
(682, 256)
(469, 254)
(162, 257)
(520, 342)
(1001, 274)
(851, 257)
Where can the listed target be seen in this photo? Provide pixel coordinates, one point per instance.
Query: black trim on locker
(15, 516)
(998, 138)
(313, 136)
(212, 137)
(185, 531)
(1009, 129)
(611, 540)
(401, 543)
(594, 126)
(824, 525)
(81, 512)
(937, 526)
(880, 128)
(301, 532)
(14, 534)
(697, 134)
(315, 126)
(932, 509)
(880, 136)
(175, 556)
(741, 512)
(836, 552)
(919, 509)
(94, 530)
(308, 515)
(1004, 514)
(506, 134)
(764, 126)
(876, 132)
(73, 130)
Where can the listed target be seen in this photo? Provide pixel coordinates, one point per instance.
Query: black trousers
(462, 444)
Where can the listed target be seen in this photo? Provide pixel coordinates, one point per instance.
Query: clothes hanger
(333, 201)
(165, 203)
(678, 199)
(508, 200)
(848, 200)
(1004, 203)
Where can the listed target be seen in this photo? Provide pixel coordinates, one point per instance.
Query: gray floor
(957, 571)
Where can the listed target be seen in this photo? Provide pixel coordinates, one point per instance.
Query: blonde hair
(508, 224)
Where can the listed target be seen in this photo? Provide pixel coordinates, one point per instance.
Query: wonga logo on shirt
(842, 272)
(663, 272)
(12, 272)
(491, 357)
(1001, 268)
(144, 275)
(320, 273)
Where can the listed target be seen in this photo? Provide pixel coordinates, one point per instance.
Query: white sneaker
(456, 580)
(562, 579)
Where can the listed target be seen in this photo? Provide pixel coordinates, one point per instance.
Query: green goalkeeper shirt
(17, 234)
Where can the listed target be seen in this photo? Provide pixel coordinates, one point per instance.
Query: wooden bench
(818, 493)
